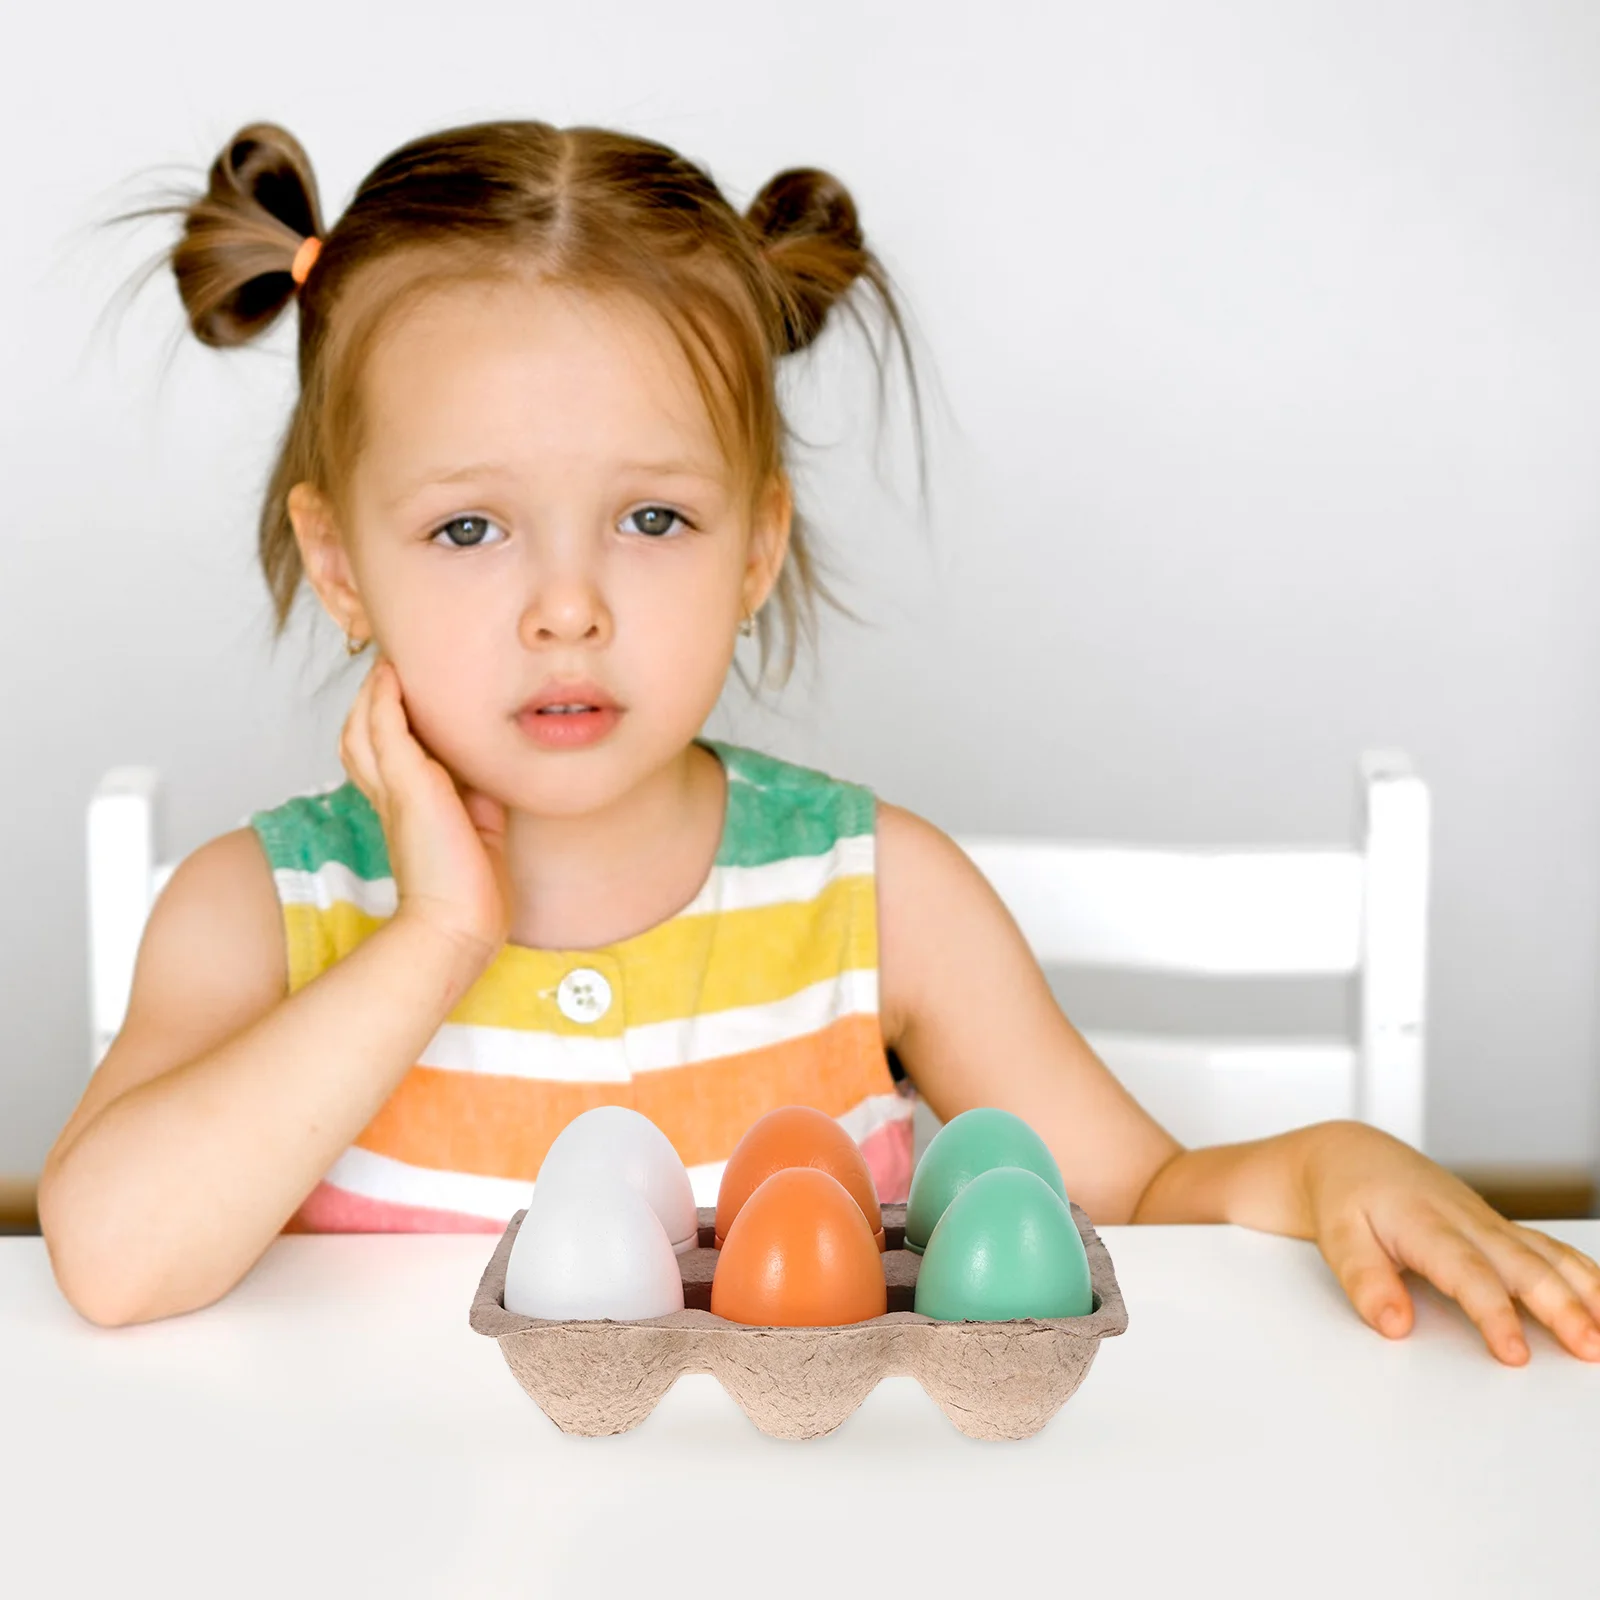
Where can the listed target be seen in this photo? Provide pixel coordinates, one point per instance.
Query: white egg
(620, 1143)
(589, 1249)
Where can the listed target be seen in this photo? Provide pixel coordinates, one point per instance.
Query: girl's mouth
(568, 727)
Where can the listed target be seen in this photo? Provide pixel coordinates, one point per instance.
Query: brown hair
(585, 206)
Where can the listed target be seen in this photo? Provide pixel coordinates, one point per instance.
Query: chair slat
(1390, 1090)
(1221, 913)
(120, 843)
(1223, 1091)
(1219, 1091)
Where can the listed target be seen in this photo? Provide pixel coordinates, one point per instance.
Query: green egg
(1005, 1247)
(965, 1146)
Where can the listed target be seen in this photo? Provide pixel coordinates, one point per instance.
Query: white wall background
(1267, 344)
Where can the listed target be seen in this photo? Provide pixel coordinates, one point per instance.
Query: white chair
(1337, 913)
(1350, 912)
(124, 879)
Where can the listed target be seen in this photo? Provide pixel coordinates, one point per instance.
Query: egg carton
(994, 1380)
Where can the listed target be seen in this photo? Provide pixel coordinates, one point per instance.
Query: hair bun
(813, 240)
(239, 238)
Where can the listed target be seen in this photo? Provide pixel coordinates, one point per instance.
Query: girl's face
(540, 497)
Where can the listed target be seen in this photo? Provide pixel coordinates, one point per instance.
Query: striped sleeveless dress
(762, 992)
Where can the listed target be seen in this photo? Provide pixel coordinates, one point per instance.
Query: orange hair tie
(305, 258)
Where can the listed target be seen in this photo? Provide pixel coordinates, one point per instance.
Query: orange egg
(795, 1136)
(799, 1255)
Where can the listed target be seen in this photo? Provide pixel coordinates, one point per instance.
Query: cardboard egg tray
(994, 1380)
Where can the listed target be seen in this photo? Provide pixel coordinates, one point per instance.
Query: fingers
(1579, 1270)
(355, 743)
(1437, 1249)
(1558, 1284)
(1440, 1253)
(1487, 1266)
(396, 751)
(488, 815)
(377, 746)
(1416, 1216)
(1367, 1274)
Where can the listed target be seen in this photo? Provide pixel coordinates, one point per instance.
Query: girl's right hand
(447, 843)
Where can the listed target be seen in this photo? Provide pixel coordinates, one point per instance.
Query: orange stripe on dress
(705, 1109)
(501, 1127)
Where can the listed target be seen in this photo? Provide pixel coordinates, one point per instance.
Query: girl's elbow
(110, 1300)
(104, 1303)
(94, 1275)
(104, 1312)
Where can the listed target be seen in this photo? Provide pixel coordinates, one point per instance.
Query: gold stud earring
(748, 626)
(354, 647)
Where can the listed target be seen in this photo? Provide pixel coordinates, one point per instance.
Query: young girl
(536, 462)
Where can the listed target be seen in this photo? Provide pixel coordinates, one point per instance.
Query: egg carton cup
(994, 1380)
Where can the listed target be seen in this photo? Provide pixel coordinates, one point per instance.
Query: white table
(335, 1428)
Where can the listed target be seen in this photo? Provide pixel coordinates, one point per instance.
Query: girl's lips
(568, 730)
(570, 692)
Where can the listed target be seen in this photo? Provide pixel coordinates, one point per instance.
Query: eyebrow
(493, 469)
(668, 469)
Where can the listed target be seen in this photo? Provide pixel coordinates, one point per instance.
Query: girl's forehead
(533, 366)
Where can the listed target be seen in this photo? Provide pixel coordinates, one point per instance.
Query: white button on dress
(584, 995)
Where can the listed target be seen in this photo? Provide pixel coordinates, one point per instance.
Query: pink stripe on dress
(329, 1209)
(887, 1151)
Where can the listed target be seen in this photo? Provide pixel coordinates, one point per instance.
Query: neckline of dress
(615, 950)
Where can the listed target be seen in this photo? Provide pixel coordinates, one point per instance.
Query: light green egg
(1005, 1247)
(974, 1142)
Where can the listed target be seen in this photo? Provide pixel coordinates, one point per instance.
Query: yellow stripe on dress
(748, 958)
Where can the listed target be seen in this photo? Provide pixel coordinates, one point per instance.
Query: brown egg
(795, 1136)
(799, 1255)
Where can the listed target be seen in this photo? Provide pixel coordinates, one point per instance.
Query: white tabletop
(334, 1427)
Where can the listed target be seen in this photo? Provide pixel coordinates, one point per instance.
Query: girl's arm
(965, 1006)
(967, 1009)
(224, 1100)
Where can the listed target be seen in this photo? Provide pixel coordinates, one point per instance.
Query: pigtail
(239, 238)
(812, 239)
(816, 253)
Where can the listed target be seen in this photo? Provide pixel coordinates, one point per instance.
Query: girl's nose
(566, 607)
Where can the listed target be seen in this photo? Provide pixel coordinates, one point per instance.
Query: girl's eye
(465, 532)
(656, 520)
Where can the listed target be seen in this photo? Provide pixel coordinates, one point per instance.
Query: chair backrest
(1359, 912)
(1356, 912)
(124, 879)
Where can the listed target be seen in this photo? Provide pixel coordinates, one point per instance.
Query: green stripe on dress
(776, 811)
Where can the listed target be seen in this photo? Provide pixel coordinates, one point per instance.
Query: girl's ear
(325, 560)
(769, 543)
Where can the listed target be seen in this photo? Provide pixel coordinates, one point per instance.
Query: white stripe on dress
(375, 1177)
(651, 1047)
(708, 1035)
(334, 882)
(876, 1111)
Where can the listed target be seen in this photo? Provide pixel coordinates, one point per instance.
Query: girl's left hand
(1377, 1205)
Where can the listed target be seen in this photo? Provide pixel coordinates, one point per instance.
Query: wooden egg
(796, 1136)
(799, 1255)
